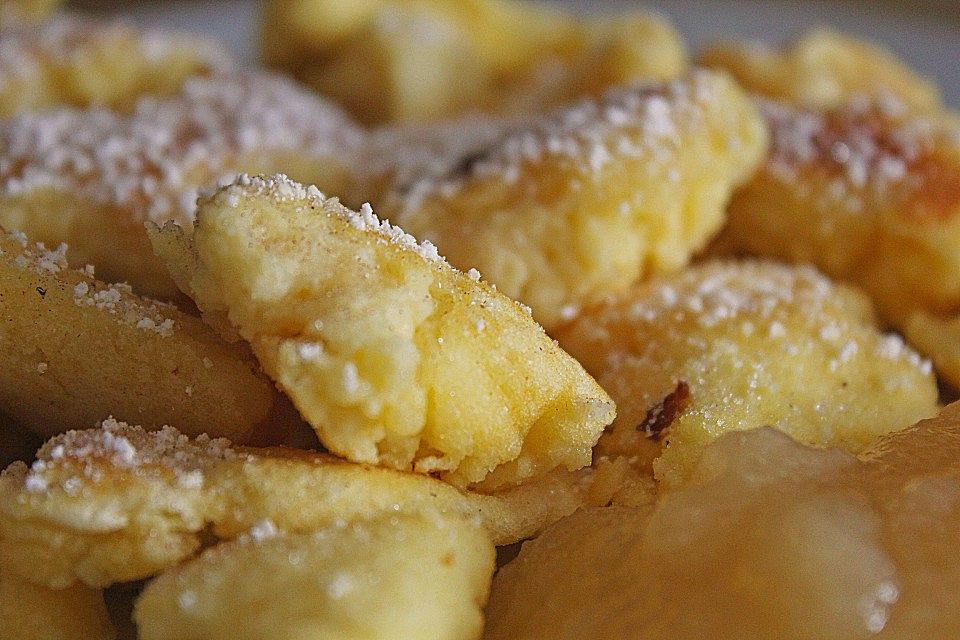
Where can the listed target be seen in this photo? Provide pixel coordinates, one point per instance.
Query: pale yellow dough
(757, 344)
(392, 355)
(402, 577)
(577, 203)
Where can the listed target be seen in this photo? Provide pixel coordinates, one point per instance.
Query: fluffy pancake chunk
(402, 577)
(75, 349)
(78, 62)
(772, 540)
(582, 202)
(730, 346)
(822, 69)
(393, 356)
(92, 178)
(869, 193)
(119, 503)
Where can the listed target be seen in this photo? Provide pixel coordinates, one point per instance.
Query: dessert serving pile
(473, 319)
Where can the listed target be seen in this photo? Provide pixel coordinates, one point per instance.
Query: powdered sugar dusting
(36, 257)
(151, 163)
(638, 122)
(283, 189)
(868, 148)
(118, 300)
(122, 446)
(754, 299)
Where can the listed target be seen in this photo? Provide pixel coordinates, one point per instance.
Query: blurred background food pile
(479, 319)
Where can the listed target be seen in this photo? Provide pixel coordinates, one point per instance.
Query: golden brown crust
(868, 192)
(76, 350)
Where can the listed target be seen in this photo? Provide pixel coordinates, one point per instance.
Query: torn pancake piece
(583, 201)
(119, 503)
(869, 192)
(75, 350)
(416, 577)
(729, 346)
(392, 355)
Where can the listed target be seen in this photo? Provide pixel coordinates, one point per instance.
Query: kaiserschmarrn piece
(732, 346)
(405, 577)
(568, 207)
(119, 503)
(76, 350)
(823, 69)
(394, 357)
(74, 61)
(31, 612)
(418, 60)
(93, 178)
(869, 193)
(771, 540)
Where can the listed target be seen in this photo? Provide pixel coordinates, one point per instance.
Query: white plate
(926, 34)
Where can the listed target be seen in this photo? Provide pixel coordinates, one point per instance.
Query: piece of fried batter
(402, 577)
(119, 503)
(74, 61)
(729, 346)
(868, 192)
(31, 612)
(822, 69)
(93, 178)
(772, 540)
(393, 356)
(417, 60)
(75, 350)
(582, 202)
